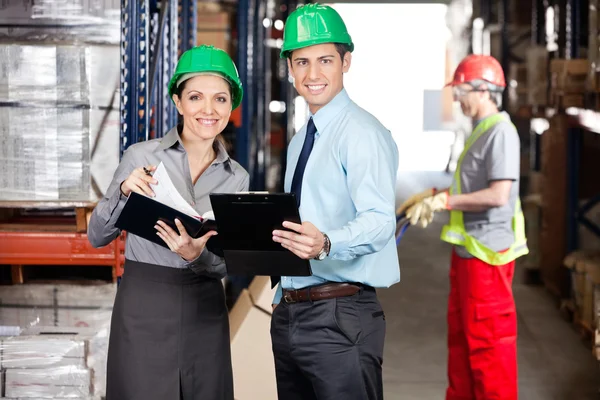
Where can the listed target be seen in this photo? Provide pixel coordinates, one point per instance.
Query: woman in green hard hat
(328, 329)
(169, 334)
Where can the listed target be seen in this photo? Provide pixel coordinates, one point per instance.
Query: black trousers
(329, 349)
(169, 337)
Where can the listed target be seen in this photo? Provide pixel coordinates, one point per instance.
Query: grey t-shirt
(224, 175)
(495, 155)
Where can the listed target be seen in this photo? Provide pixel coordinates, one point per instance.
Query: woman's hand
(139, 181)
(180, 242)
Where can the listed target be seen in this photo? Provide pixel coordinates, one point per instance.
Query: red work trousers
(482, 331)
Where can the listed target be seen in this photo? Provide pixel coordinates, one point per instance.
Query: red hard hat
(479, 67)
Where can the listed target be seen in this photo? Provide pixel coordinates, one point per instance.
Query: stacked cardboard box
(585, 289)
(251, 351)
(568, 82)
(214, 26)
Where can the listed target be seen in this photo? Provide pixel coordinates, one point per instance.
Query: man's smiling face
(318, 73)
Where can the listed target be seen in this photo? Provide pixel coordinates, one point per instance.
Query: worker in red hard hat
(488, 233)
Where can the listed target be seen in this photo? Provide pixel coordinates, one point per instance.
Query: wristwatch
(325, 250)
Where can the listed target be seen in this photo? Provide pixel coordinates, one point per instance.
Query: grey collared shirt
(224, 175)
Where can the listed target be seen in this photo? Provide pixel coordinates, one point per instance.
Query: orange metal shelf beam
(58, 248)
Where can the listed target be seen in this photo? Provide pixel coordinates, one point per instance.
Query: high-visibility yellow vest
(455, 232)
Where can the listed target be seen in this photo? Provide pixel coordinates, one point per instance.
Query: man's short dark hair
(341, 48)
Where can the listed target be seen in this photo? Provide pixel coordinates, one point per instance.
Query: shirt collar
(172, 138)
(329, 111)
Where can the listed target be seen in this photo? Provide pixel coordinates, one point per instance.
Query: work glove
(422, 212)
(415, 198)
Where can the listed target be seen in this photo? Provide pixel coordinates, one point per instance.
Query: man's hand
(306, 241)
(180, 242)
(414, 199)
(422, 212)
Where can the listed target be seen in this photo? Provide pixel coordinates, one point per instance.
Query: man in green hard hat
(328, 329)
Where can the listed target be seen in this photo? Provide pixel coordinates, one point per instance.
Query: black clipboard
(141, 213)
(245, 224)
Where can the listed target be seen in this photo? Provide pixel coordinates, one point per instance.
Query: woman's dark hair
(219, 137)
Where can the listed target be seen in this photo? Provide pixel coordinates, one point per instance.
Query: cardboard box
(569, 76)
(220, 40)
(213, 21)
(251, 351)
(214, 28)
(69, 382)
(261, 293)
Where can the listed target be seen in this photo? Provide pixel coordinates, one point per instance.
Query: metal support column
(188, 23)
(246, 71)
(150, 44)
(260, 145)
(538, 37)
(572, 25)
(504, 21)
(134, 72)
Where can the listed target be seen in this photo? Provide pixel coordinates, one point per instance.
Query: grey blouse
(224, 175)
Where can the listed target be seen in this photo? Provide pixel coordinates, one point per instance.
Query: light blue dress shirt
(348, 192)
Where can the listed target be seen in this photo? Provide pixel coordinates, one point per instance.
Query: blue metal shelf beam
(153, 36)
(134, 67)
(245, 69)
(188, 23)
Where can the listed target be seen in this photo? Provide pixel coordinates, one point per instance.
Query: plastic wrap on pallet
(76, 357)
(62, 346)
(56, 306)
(67, 381)
(50, 96)
(89, 21)
(43, 351)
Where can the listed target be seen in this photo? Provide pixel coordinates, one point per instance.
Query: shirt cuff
(116, 203)
(338, 242)
(278, 294)
(205, 258)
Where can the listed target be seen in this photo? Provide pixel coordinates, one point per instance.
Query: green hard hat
(207, 58)
(313, 24)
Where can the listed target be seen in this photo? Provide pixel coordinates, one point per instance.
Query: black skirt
(169, 337)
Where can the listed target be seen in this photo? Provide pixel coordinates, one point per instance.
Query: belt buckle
(287, 296)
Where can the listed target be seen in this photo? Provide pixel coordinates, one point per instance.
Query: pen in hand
(139, 181)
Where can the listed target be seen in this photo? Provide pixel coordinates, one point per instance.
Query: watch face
(321, 256)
